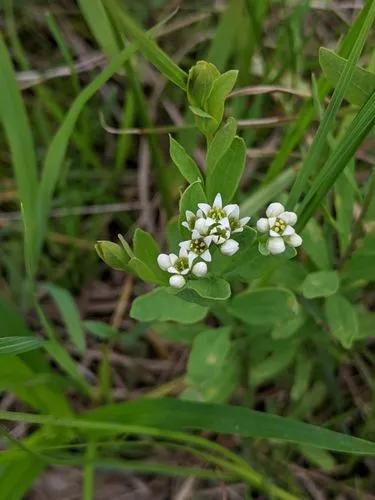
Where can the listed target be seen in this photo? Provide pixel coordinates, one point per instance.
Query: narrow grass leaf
(69, 313)
(18, 345)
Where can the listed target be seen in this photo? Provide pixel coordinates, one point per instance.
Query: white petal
(205, 207)
(276, 245)
(288, 231)
(244, 221)
(289, 217)
(294, 240)
(233, 210)
(271, 221)
(195, 235)
(206, 256)
(230, 247)
(177, 281)
(274, 209)
(173, 257)
(225, 223)
(238, 230)
(189, 215)
(200, 269)
(200, 213)
(185, 244)
(173, 270)
(185, 224)
(191, 257)
(208, 240)
(164, 261)
(263, 225)
(183, 252)
(218, 202)
(274, 234)
(202, 226)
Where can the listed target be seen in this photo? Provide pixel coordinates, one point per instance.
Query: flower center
(216, 213)
(222, 232)
(198, 246)
(234, 223)
(279, 226)
(181, 264)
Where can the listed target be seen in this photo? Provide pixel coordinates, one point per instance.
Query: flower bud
(199, 269)
(164, 261)
(201, 78)
(112, 254)
(177, 281)
(289, 217)
(230, 247)
(276, 245)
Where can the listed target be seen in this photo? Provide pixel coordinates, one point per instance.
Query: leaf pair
(141, 260)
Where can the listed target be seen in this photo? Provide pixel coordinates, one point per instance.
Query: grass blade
(17, 128)
(147, 46)
(18, 345)
(320, 140)
(344, 151)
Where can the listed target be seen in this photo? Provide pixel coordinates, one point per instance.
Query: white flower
(216, 213)
(279, 226)
(198, 246)
(179, 266)
(235, 223)
(229, 247)
(199, 269)
(177, 281)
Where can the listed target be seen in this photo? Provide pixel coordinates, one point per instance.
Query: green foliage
(342, 319)
(185, 163)
(112, 254)
(320, 284)
(362, 83)
(17, 345)
(225, 176)
(265, 306)
(162, 305)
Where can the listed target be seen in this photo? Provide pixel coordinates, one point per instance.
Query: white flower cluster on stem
(210, 225)
(279, 226)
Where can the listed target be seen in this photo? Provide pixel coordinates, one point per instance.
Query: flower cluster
(279, 226)
(210, 225)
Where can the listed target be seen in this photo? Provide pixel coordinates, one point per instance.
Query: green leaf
(190, 198)
(184, 162)
(223, 419)
(147, 250)
(221, 87)
(314, 244)
(100, 330)
(220, 144)
(320, 284)
(288, 328)
(338, 160)
(281, 356)
(18, 132)
(145, 273)
(213, 367)
(146, 45)
(113, 255)
(18, 345)
(362, 83)
(360, 266)
(316, 149)
(264, 306)
(221, 265)
(345, 188)
(210, 288)
(226, 175)
(96, 17)
(161, 305)
(69, 313)
(208, 354)
(342, 319)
